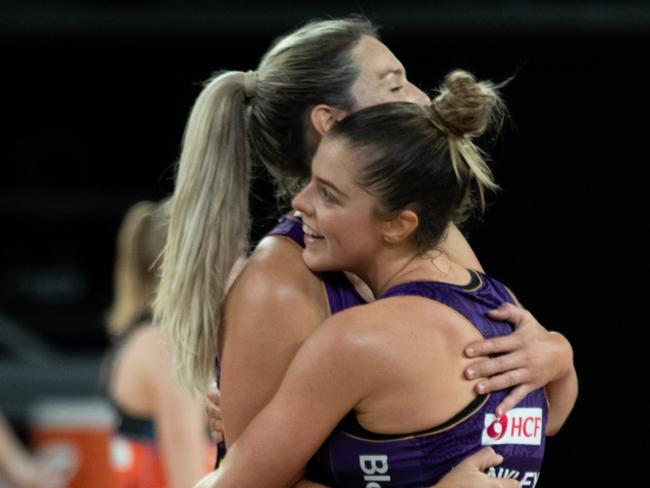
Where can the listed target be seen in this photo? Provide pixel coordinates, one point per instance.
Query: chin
(315, 263)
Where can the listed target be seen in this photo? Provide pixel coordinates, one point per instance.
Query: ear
(400, 227)
(323, 117)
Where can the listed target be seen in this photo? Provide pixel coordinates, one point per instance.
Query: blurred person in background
(161, 438)
(21, 469)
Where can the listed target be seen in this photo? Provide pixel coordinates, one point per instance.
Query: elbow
(552, 428)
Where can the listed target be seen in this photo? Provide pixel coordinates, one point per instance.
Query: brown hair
(424, 158)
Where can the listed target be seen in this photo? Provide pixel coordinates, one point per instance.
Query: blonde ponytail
(208, 228)
(238, 118)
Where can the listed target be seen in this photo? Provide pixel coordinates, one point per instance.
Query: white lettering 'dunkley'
(375, 469)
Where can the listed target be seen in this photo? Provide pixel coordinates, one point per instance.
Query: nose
(415, 95)
(300, 202)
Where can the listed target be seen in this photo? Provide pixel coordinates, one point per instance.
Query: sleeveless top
(353, 456)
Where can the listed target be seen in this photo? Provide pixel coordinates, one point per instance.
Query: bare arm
(177, 415)
(326, 379)
(470, 473)
(22, 469)
(533, 358)
(562, 395)
(271, 310)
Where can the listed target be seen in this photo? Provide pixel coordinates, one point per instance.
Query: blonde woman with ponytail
(377, 395)
(275, 116)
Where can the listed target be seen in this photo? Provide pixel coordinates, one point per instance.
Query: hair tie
(250, 83)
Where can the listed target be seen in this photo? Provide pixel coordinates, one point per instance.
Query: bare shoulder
(400, 319)
(275, 294)
(143, 359)
(147, 339)
(275, 275)
(148, 345)
(279, 259)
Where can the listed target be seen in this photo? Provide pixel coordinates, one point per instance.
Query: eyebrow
(391, 71)
(332, 186)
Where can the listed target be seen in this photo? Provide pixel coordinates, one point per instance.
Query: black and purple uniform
(353, 456)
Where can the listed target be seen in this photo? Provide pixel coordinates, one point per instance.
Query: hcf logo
(518, 426)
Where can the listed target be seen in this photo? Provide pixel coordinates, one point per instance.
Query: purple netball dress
(353, 456)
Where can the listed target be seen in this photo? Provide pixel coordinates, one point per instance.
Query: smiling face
(382, 78)
(342, 231)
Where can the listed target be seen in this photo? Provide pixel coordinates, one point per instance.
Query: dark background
(94, 98)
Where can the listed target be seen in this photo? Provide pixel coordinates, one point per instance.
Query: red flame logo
(497, 429)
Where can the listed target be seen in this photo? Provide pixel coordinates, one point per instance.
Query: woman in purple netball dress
(377, 392)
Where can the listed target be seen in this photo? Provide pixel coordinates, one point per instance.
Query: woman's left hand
(213, 413)
(529, 358)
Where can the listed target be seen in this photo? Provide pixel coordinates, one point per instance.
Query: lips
(309, 232)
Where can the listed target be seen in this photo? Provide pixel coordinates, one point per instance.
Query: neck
(394, 267)
(390, 267)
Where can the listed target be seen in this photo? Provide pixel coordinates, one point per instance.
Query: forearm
(184, 451)
(528, 359)
(562, 394)
(243, 394)
(254, 460)
(11, 451)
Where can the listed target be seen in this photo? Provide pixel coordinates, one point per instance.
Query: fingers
(502, 381)
(513, 314)
(212, 410)
(493, 346)
(497, 365)
(216, 431)
(506, 483)
(214, 395)
(507, 311)
(483, 459)
(215, 421)
(513, 398)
